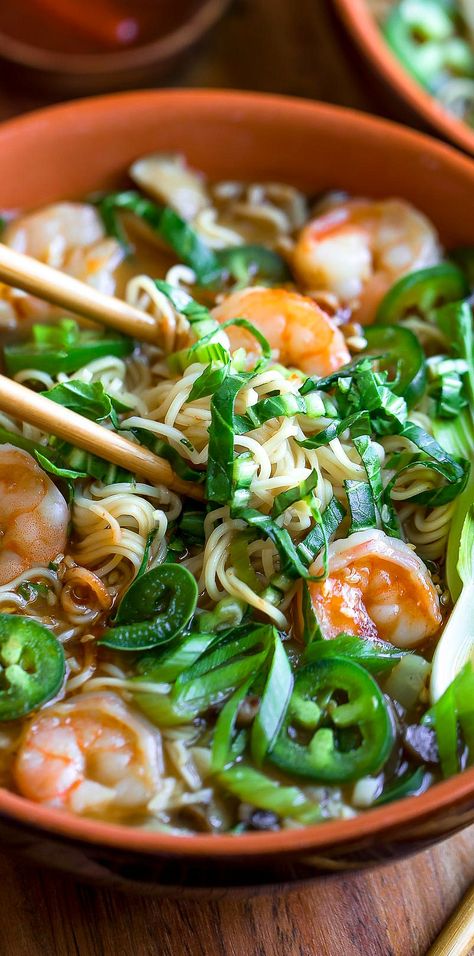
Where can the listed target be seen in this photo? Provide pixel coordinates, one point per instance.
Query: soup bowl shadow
(74, 149)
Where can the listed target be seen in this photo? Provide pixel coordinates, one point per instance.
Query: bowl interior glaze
(363, 28)
(70, 150)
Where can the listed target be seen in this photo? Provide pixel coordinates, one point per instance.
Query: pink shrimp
(299, 332)
(376, 587)
(359, 249)
(33, 514)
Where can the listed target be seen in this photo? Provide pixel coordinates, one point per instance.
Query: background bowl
(70, 150)
(78, 73)
(363, 28)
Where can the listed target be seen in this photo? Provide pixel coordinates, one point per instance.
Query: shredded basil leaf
(291, 563)
(298, 493)
(319, 536)
(175, 231)
(361, 505)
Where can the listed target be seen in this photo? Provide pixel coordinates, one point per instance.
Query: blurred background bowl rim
(164, 48)
(362, 27)
(415, 810)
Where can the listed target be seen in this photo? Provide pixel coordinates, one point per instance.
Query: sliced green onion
(239, 555)
(220, 470)
(209, 381)
(168, 664)
(378, 657)
(291, 563)
(276, 406)
(63, 348)
(224, 730)
(252, 787)
(274, 701)
(220, 670)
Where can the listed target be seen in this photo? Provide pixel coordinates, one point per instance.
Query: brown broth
(92, 26)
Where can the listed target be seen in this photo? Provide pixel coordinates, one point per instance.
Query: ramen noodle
(281, 648)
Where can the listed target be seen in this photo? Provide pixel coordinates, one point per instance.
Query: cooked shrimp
(299, 332)
(70, 237)
(359, 249)
(376, 587)
(91, 756)
(33, 514)
(53, 231)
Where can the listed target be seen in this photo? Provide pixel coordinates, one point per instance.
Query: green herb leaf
(90, 400)
(287, 498)
(361, 505)
(319, 536)
(252, 787)
(167, 224)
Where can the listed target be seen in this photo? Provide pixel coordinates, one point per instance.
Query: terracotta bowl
(75, 74)
(363, 28)
(69, 150)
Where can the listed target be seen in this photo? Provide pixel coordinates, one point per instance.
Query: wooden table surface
(294, 47)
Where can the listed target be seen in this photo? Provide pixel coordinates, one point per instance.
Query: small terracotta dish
(71, 150)
(364, 30)
(69, 73)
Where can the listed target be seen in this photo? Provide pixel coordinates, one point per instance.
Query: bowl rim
(146, 54)
(410, 810)
(326, 834)
(361, 25)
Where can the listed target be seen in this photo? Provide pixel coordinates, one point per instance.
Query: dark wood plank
(395, 910)
(293, 47)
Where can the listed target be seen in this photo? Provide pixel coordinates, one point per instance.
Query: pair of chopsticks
(29, 275)
(457, 937)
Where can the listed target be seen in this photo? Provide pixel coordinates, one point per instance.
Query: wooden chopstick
(457, 937)
(24, 272)
(21, 402)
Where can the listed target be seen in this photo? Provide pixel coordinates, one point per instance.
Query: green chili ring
(421, 36)
(421, 292)
(246, 262)
(349, 740)
(32, 666)
(405, 356)
(155, 609)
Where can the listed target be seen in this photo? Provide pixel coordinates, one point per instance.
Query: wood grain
(394, 911)
(294, 47)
